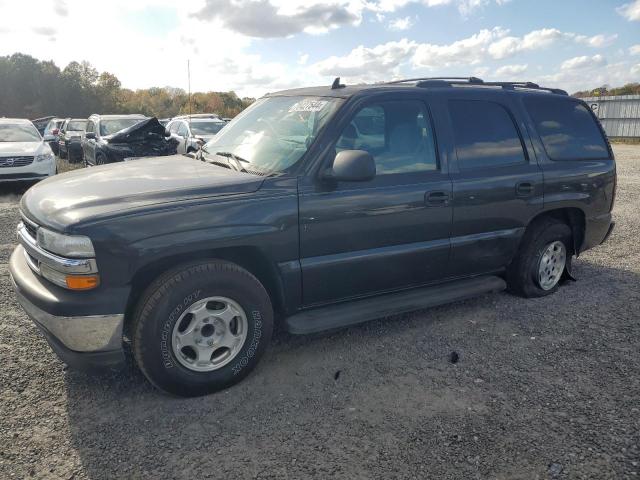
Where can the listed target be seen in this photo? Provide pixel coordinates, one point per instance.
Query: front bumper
(32, 172)
(81, 341)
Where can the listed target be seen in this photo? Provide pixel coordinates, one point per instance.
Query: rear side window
(567, 129)
(485, 135)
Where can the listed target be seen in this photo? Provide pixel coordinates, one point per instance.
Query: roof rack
(451, 81)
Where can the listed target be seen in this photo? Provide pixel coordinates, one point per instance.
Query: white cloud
(368, 64)
(630, 11)
(468, 51)
(264, 19)
(579, 63)
(303, 59)
(543, 38)
(597, 41)
(511, 70)
(590, 76)
(401, 24)
(634, 50)
(534, 40)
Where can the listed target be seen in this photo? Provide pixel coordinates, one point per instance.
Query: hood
(20, 148)
(98, 192)
(138, 132)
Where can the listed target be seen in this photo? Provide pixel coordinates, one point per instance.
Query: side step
(358, 311)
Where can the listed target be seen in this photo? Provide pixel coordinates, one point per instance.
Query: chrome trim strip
(26, 220)
(61, 264)
(92, 333)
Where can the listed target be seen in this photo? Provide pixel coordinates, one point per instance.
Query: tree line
(606, 90)
(31, 88)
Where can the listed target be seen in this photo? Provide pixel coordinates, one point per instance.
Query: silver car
(194, 132)
(24, 156)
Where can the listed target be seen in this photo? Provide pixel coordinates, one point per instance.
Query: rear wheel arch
(572, 216)
(248, 257)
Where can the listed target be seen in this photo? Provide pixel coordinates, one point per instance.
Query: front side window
(274, 133)
(397, 134)
(111, 126)
(90, 126)
(567, 129)
(485, 135)
(19, 133)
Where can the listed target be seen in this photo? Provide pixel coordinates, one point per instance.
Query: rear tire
(544, 254)
(165, 307)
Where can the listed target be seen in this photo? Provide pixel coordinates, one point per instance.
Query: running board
(350, 313)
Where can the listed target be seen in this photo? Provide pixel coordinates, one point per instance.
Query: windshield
(76, 125)
(108, 127)
(206, 128)
(274, 132)
(19, 133)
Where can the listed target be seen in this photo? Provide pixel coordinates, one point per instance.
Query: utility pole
(189, 81)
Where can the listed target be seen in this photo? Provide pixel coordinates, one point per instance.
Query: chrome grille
(15, 161)
(30, 227)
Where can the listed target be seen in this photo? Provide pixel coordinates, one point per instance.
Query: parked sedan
(24, 156)
(192, 133)
(70, 135)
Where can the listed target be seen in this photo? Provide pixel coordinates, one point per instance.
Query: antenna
(336, 84)
(189, 81)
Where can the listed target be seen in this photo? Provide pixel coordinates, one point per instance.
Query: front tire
(544, 254)
(201, 328)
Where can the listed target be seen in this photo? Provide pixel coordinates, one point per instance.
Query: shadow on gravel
(14, 190)
(536, 384)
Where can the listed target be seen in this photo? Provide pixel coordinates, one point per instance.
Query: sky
(257, 46)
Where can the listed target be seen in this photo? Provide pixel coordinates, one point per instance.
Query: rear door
(497, 182)
(361, 238)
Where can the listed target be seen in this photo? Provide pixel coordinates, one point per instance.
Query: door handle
(524, 189)
(436, 199)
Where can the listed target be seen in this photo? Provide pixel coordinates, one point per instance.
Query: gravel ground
(545, 388)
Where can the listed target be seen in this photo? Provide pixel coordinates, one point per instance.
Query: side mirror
(352, 166)
(90, 135)
(55, 131)
(167, 133)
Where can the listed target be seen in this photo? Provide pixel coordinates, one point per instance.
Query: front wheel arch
(250, 258)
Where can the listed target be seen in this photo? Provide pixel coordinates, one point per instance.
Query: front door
(361, 238)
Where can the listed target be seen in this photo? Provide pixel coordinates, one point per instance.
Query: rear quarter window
(567, 129)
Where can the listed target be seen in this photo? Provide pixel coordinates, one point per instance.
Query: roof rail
(421, 79)
(451, 81)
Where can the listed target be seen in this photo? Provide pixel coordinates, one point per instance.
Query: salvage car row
(27, 153)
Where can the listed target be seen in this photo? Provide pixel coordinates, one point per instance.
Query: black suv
(319, 207)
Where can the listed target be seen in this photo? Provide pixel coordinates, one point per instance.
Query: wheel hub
(551, 265)
(209, 334)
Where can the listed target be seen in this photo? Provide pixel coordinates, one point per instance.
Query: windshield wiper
(232, 156)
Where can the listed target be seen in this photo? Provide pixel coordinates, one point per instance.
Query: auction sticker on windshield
(308, 105)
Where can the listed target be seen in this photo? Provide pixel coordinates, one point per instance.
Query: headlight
(43, 157)
(73, 246)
